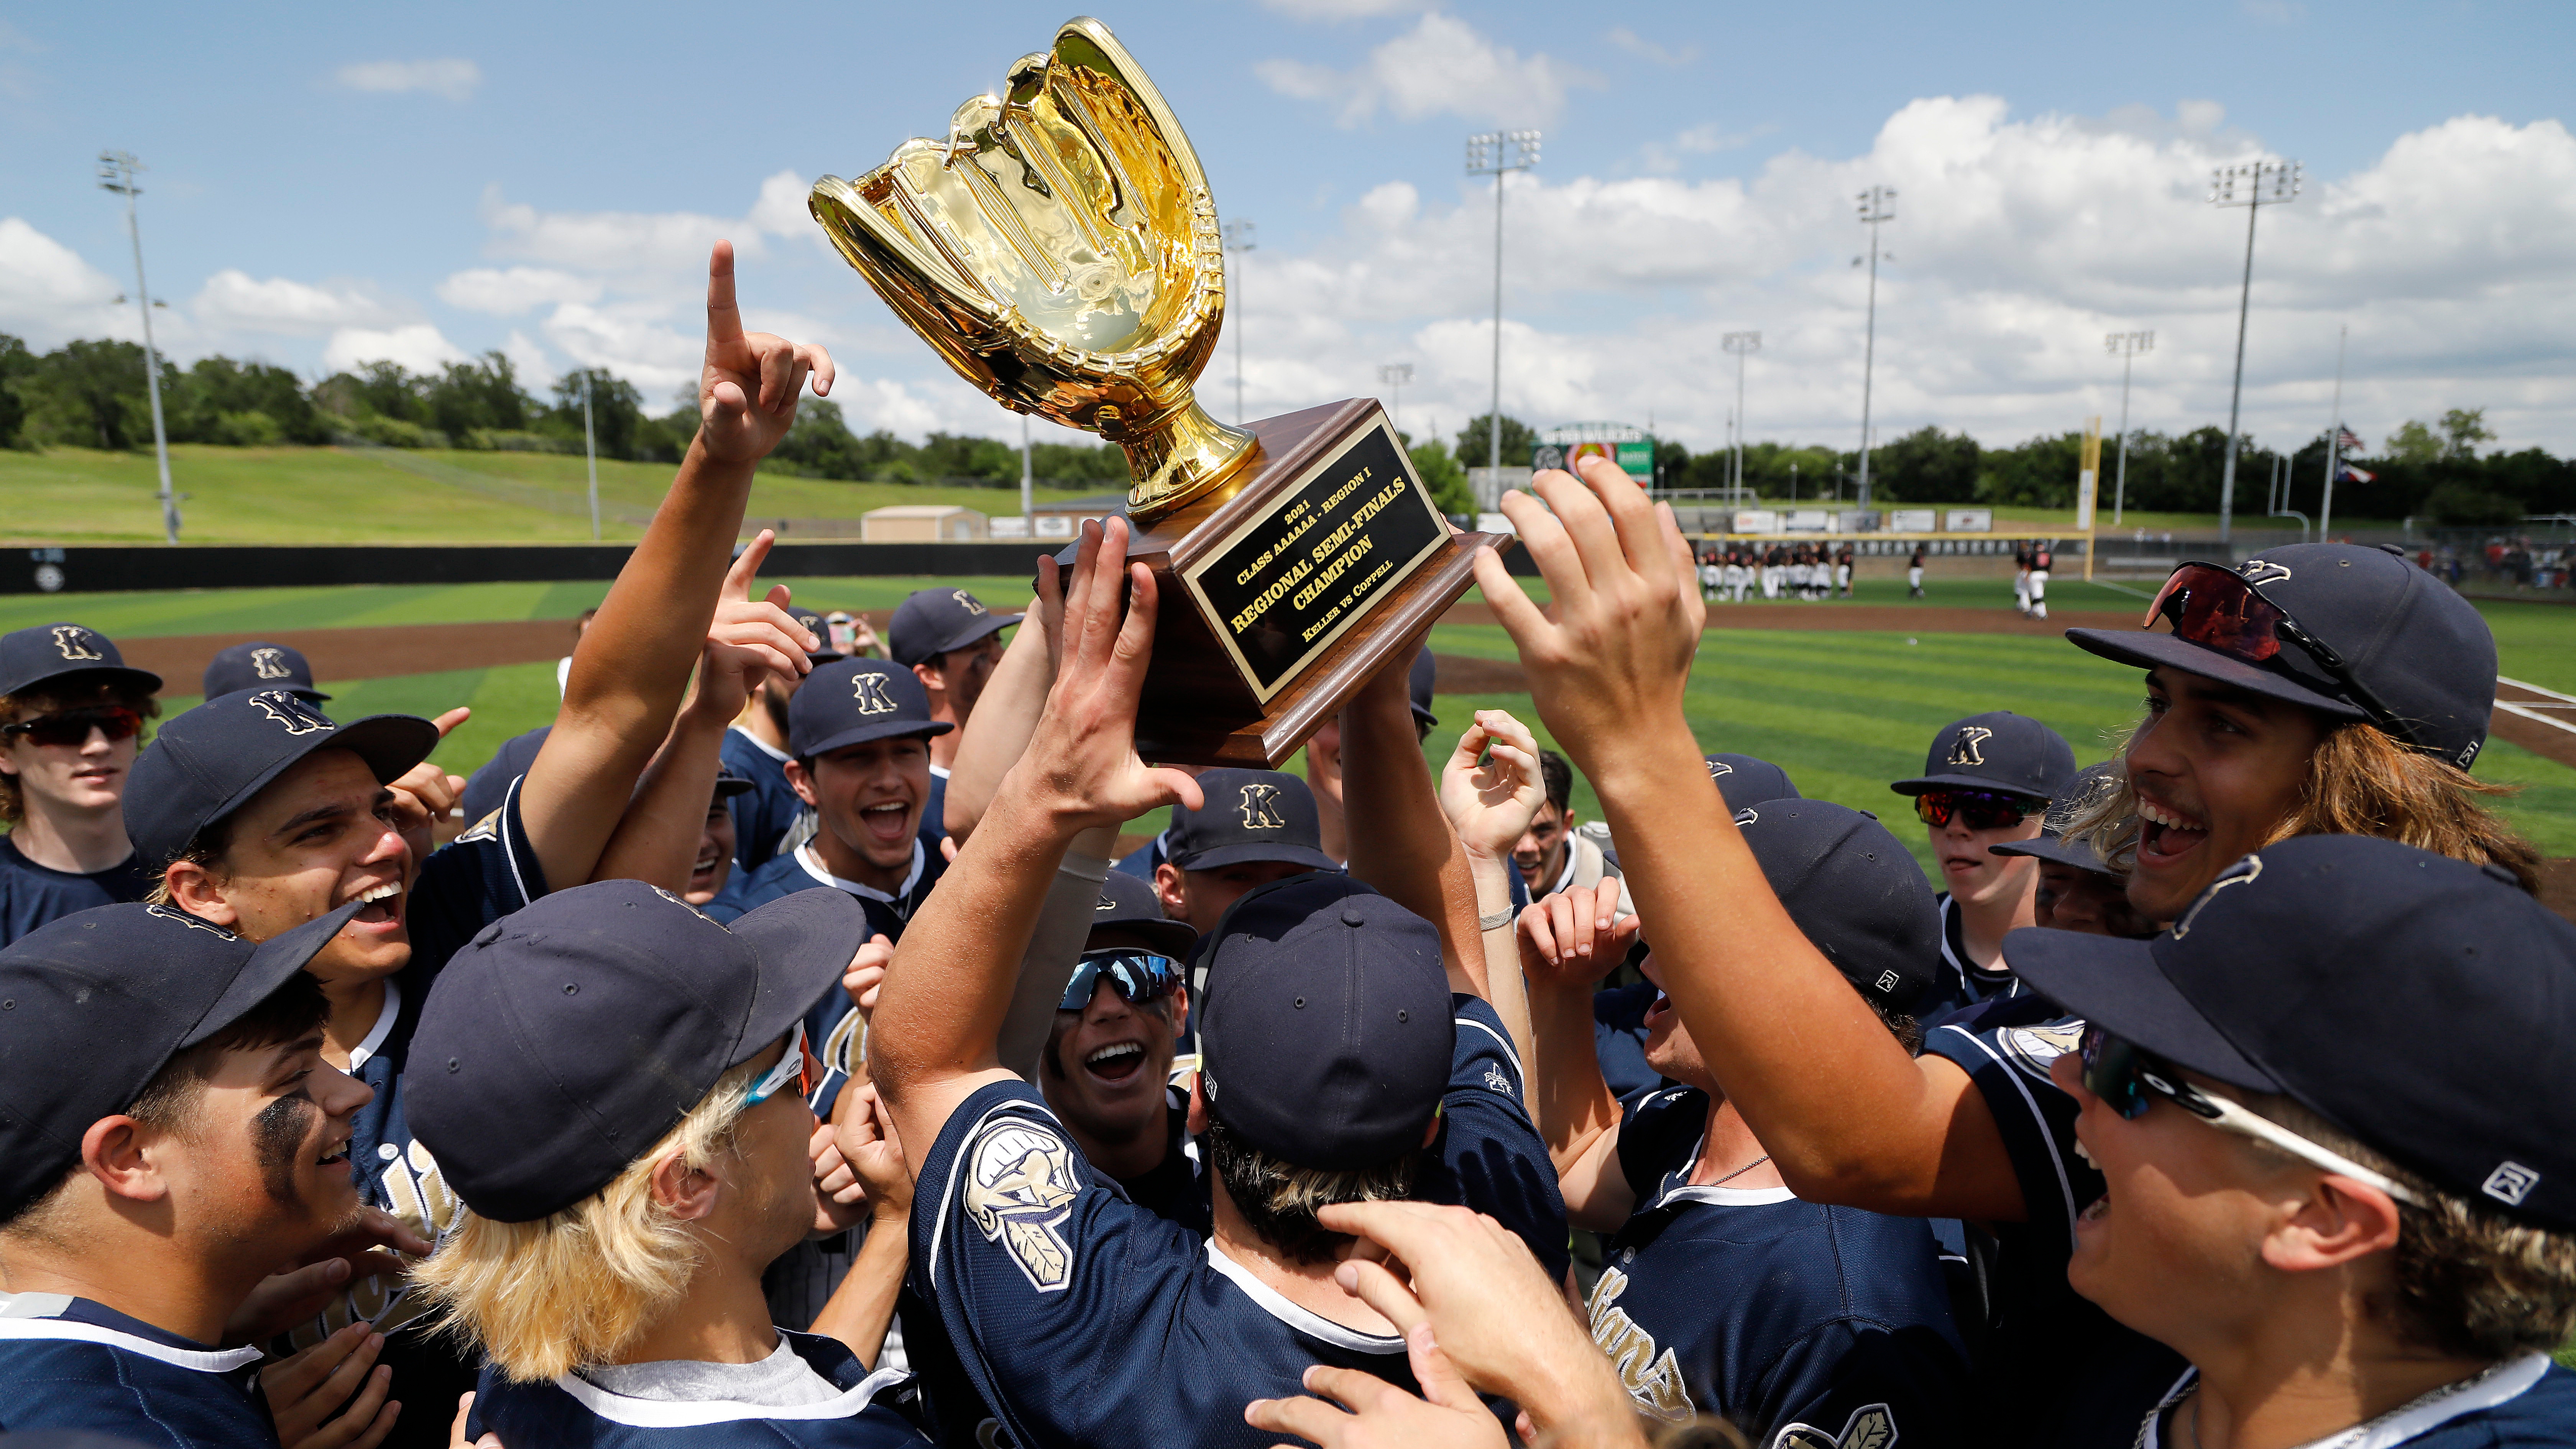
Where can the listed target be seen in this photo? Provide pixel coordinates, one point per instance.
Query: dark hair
(168, 1101)
(1278, 1199)
(1558, 778)
(52, 696)
(205, 849)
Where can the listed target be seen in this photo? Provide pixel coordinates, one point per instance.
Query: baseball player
(1775, 562)
(1843, 570)
(172, 1133)
(266, 813)
(1722, 1292)
(1710, 576)
(2078, 890)
(951, 643)
(1986, 781)
(2041, 559)
(622, 1118)
(1555, 854)
(1256, 826)
(260, 665)
(2021, 577)
(756, 748)
(71, 718)
(1914, 572)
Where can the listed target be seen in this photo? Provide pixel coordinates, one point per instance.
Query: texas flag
(2347, 473)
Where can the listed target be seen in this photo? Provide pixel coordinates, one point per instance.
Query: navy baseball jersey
(481, 876)
(1796, 1321)
(571, 1412)
(69, 1363)
(1489, 1155)
(2052, 1360)
(32, 895)
(1176, 1189)
(1619, 1038)
(2522, 1401)
(934, 808)
(1080, 1318)
(1961, 982)
(763, 813)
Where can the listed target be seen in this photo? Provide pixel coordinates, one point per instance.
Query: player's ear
(120, 1153)
(197, 890)
(1167, 886)
(801, 782)
(932, 673)
(1180, 1005)
(685, 1192)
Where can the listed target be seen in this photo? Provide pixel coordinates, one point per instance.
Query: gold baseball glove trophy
(1060, 250)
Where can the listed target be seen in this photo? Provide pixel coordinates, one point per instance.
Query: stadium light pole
(1497, 154)
(1395, 375)
(1028, 481)
(2252, 185)
(590, 449)
(1743, 345)
(1238, 240)
(116, 173)
(2125, 346)
(1874, 211)
(2334, 438)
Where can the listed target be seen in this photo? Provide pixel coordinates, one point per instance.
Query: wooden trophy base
(1285, 590)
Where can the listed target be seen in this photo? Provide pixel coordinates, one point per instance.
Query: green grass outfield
(1843, 711)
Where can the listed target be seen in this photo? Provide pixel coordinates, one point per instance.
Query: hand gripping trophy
(1060, 250)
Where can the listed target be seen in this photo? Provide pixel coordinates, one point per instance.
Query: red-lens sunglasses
(1977, 809)
(72, 726)
(2217, 609)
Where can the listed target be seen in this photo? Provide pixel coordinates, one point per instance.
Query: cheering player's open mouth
(1117, 1063)
(888, 823)
(384, 905)
(2166, 834)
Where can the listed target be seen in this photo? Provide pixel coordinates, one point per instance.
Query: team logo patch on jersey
(2262, 571)
(1653, 1380)
(1969, 748)
(2032, 1048)
(74, 643)
(1021, 1183)
(1871, 1426)
(285, 709)
(2242, 872)
(969, 602)
(1495, 1079)
(870, 691)
(1260, 806)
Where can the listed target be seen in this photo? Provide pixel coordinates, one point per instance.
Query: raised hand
(748, 390)
(365, 1249)
(1490, 798)
(750, 637)
(426, 793)
(865, 975)
(1627, 609)
(1576, 935)
(865, 1134)
(306, 1388)
(1375, 1414)
(1081, 766)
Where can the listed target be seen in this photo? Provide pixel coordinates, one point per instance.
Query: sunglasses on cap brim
(797, 1064)
(1977, 809)
(72, 726)
(2218, 610)
(1134, 975)
(2124, 1077)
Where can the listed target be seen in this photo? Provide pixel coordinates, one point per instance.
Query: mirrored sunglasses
(2218, 610)
(798, 1064)
(1134, 975)
(72, 726)
(1977, 809)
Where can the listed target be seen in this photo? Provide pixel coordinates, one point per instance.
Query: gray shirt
(780, 1381)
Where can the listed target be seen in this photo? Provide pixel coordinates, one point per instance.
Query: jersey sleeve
(474, 880)
(2006, 1053)
(1658, 1134)
(1852, 1382)
(1489, 1155)
(1056, 1292)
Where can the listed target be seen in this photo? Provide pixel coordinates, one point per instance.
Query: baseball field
(1842, 695)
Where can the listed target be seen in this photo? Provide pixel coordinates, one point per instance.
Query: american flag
(2345, 442)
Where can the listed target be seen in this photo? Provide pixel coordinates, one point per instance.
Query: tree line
(91, 393)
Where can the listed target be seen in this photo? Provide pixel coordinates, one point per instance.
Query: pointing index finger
(724, 320)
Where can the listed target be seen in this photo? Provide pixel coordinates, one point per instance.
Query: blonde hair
(2360, 782)
(544, 1297)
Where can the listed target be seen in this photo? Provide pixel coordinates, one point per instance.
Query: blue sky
(439, 180)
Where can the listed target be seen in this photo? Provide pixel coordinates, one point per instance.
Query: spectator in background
(71, 718)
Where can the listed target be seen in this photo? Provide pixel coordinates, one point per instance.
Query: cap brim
(922, 729)
(2149, 650)
(2117, 985)
(390, 744)
(805, 941)
(988, 624)
(1249, 851)
(2058, 849)
(125, 674)
(1173, 938)
(1425, 718)
(312, 696)
(727, 789)
(271, 966)
(1964, 782)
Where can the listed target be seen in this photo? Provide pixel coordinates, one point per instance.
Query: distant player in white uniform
(2039, 562)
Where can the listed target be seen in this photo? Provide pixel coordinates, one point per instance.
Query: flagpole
(2334, 437)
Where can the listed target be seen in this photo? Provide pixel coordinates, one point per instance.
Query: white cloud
(232, 302)
(1644, 49)
(507, 292)
(417, 346)
(1342, 9)
(449, 79)
(1440, 67)
(49, 295)
(529, 361)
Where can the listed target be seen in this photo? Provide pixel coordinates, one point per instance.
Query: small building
(921, 523)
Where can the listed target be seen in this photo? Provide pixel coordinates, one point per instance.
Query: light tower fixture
(1497, 154)
(2125, 346)
(2252, 185)
(1238, 241)
(1876, 209)
(116, 171)
(1743, 345)
(1395, 375)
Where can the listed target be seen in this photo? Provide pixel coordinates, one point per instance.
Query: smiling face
(870, 797)
(2216, 770)
(262, 1157)
(1540, 852)
(715, 857)
(318, 837)
(1106, 1064)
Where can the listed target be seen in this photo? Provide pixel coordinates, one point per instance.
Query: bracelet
(1495, 921)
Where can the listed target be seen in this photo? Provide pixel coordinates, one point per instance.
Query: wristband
(1495, 921)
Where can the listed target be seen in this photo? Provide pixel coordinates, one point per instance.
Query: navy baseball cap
(1250, 815)
(2405, 638)
(1128, 903)
(98, 1002)
(567, 1038)
(934, 621)
(1325, 1036)
(814, 624)
(852, 701)
(2424, 1005)
(210, 761)
(729, 784)
(2008, 753)
(260, 665)
(1855, 891)
(1743, 780)
(29, 657)
(489, 785)
(2051, 842)
(1422, 682)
